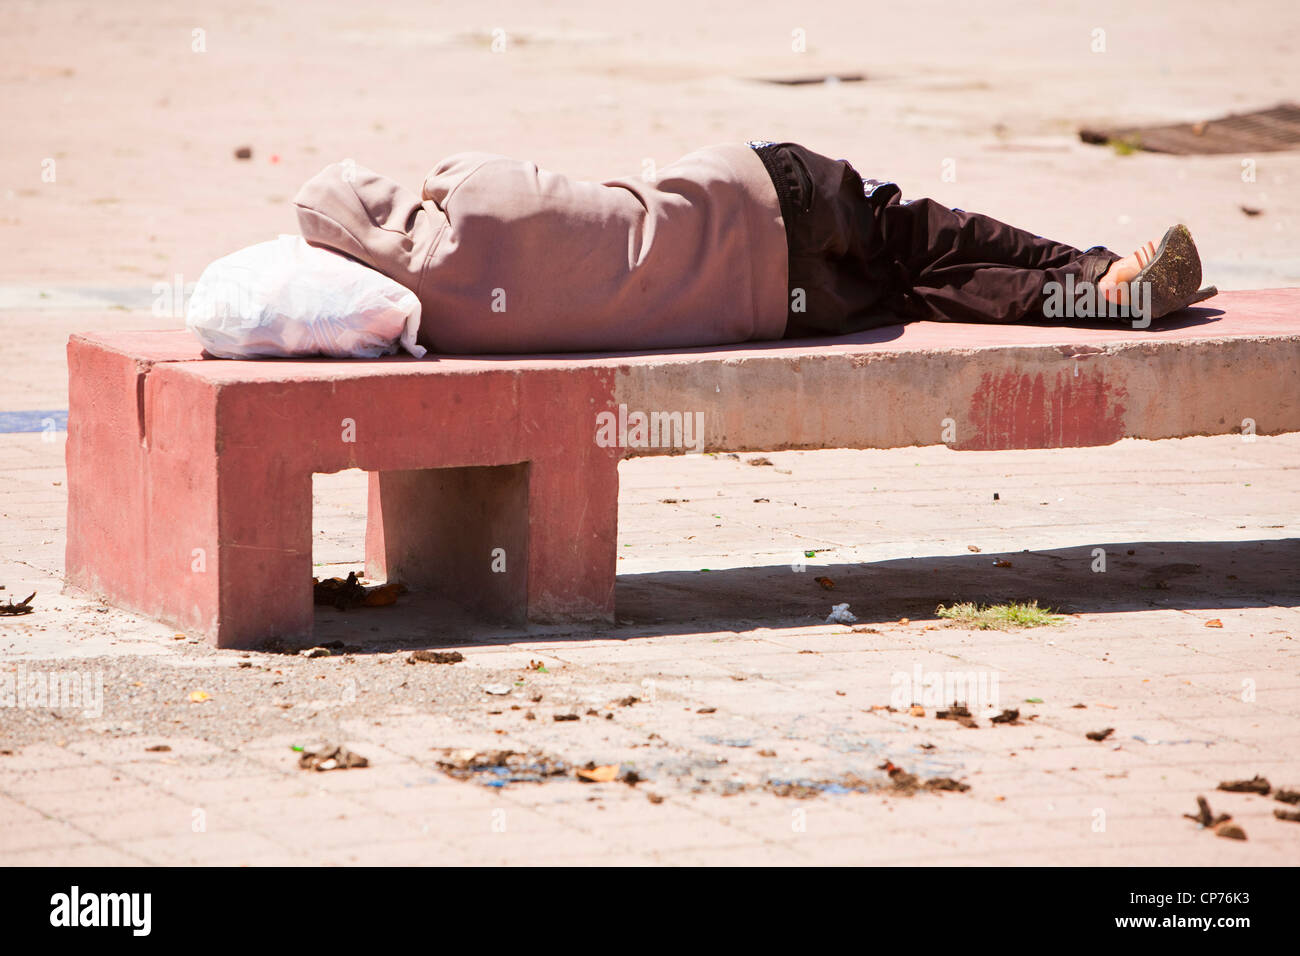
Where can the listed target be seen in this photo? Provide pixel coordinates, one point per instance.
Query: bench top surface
(1269, 313)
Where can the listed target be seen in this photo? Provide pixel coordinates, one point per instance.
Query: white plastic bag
(840, 614)
(287, 298)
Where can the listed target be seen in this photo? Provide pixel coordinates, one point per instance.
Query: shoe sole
(1174, 274)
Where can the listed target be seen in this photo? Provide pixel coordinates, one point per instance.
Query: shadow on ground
(1138, 576)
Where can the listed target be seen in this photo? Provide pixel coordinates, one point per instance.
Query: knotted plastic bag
(288, 299)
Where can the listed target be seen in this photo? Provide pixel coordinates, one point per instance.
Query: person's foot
(1169, 276)
(1115, 284)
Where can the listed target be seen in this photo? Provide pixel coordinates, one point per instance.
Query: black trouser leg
(966, 267)
(861, 258)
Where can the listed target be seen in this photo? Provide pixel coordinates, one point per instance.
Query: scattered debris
(1214, 622)
(499, 767)
(560, 718)
(1256, 784)
(1251, 210)
(1099, 734)
(901, 779)
(807, 789)
(243, 152)
(158, 749)
(1292, 816)
(627, 701)
(707, 710)
(594, 774)
(909, 783)
(497, 690)
(1008, 716)
(826, 583)
(383, 595)
(199, 696)
(916, 710)
(435, 657)
(538, 666)
(973, 547)
(331, 757)
(315, 652)
(1003, 563)
(840, 614)
(958, 712)
(1230, 830)
(22, 607)
(1205, 817)
(760, 461)
(348, 593)
(1287, 795)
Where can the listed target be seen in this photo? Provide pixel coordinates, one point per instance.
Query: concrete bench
(495, 480)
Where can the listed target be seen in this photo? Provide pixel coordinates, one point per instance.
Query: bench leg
(573, 539)
(532, 541)
(264, 550)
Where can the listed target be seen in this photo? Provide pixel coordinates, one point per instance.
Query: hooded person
(506, 257)
(730, 244)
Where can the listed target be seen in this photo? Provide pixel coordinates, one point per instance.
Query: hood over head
(352, 210)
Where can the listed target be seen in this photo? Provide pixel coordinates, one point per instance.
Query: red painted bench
(189, 479)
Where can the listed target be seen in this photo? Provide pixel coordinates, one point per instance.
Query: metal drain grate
(1260, 132)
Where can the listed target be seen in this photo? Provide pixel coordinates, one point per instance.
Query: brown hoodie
(505, 257)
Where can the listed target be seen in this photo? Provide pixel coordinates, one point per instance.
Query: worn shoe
(1173, 274)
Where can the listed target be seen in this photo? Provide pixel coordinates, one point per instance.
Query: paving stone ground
(119, 182)
(741, 688)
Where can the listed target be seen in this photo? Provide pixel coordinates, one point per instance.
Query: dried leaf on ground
(22, 607)
(331, 757)
(1204, 816)
(1256, 784)
(1230, 830)
(348, 593)
(435, 657)
(594, 774)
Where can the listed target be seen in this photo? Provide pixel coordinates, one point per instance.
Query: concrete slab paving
(742, 693)
(751, 714)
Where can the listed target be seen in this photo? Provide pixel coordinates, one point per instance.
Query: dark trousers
(861, 258)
